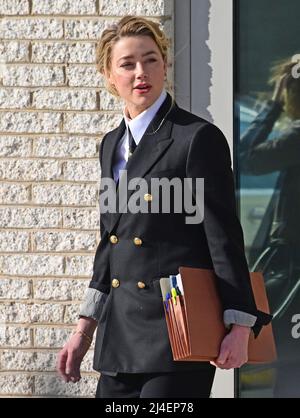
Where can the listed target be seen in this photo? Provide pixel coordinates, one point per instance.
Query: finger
(223, 356)
(70, 364)
(76, 371)
(61, 364)
(219, 365)
(225, 366)
(73, 368)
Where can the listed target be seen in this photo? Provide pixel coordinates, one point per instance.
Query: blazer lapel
(153, 144)
(107, 168)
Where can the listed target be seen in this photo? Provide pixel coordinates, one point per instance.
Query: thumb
(223, 355)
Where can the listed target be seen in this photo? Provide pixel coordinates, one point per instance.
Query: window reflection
(268, 153)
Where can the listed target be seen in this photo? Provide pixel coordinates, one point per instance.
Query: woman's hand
(279, 89)
(70, 357)
(234, 348)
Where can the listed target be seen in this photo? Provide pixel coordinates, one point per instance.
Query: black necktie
(132, 144)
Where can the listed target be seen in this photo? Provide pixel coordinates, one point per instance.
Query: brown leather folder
(195, 322)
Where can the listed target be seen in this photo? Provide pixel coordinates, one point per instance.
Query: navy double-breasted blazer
(142, 247)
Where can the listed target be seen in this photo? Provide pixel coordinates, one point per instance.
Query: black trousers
(189, 384)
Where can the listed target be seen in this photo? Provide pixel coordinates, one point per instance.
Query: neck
(131, 113)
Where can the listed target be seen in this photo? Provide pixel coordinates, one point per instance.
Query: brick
(46, 313)
(33, 75)
(62, 52)
(18, 384)
(14, 7)
(87, 364)
(30, 218)
(14, 337)
(27, 361)
(90, 123)
(14, 146)
(14, 51)
(15, 312)
(14, 98)
(84, 76)
(71, 314)
(67, 194)
(70, 146)
(32, 265)
(109, 102)
(30, 170)
(30, 122)
(11, 28)
(84, 29)
(46, 385)
(79, 265)
(72, 7)
(64, 241)
(81, 170)
(51, 337)
(15, 289)
(14, 241)
(135, 7)
(13, 193)
(81, 218)
(60, 289)
(64, 99)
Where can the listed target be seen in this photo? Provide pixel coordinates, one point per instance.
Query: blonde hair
(127, 26)
(292, 91)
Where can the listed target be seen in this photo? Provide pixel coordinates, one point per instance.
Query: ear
(108, 76)
(165, 67)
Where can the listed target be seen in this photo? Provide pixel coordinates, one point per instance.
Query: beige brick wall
(53, 114)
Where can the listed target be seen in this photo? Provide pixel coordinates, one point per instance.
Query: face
(137, 72)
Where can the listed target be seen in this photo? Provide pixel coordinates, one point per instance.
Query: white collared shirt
(137, 126)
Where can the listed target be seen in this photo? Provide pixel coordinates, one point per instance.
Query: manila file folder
(195, 319)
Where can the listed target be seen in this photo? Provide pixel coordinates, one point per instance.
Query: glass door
(267, 162)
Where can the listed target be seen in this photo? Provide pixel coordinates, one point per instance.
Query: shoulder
(204, 142)
(110, 135)
(197, 131)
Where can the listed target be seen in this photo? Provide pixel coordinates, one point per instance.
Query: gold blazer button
(148, 197)
(113, 239)
(141, 285)
(115, 283)
(137, 241)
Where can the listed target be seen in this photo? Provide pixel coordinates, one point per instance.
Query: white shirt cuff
(92, 304)
(232, 316)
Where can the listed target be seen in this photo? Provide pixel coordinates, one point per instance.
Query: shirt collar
(140, 123)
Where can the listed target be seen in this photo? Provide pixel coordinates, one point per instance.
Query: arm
(262, 125)
(209, 158)
(277, 154)
(73, 352)
(99, 286)
(259, 155)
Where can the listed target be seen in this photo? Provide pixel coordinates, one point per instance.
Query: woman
(280, 255)
(157, 139)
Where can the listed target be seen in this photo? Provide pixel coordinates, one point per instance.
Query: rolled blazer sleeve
(99, 285)
(209, 158)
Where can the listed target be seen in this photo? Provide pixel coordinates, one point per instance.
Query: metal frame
(203, 67)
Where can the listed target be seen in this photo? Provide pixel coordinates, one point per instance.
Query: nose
(140, 71)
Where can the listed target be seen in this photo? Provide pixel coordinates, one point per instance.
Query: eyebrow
(132, 56)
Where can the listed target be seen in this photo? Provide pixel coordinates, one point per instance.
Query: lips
(142, 87)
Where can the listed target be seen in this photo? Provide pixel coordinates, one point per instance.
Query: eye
(127, 64)
(152, 60)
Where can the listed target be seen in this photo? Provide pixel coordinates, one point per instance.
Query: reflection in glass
(268, 154)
